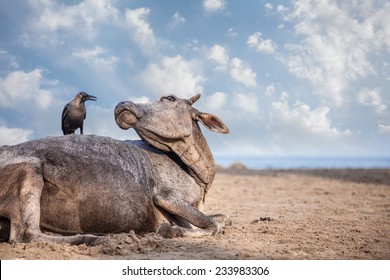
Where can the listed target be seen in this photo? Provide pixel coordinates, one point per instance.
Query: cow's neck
(196, 155)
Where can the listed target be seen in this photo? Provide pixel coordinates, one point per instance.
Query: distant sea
(279, 162)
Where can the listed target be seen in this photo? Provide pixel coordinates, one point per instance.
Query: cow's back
(92, 184)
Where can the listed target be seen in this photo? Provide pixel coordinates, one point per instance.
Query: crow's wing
(63, 117)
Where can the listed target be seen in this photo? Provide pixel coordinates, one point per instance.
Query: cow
(77, 188)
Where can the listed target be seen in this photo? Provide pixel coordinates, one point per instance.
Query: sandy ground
(296, 214)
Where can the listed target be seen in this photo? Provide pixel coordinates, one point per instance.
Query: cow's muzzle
(127, 114)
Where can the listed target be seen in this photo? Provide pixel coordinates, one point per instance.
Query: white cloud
(53, 18)
(242, 73)
(268, 6)
(22, 87)
(270, 90)
(13, 136)
(238, 69)
(379, 26)
(143, 34)
(231, 33)
(261, 45)
(247, 103)
(216, 101)
(173, 75)
(219, 54)
(372, 98)
(57, 16)
(8, 59)
(301, 117)
(302, 130)
(282, 8)
(335, 43)
(284, 96)
(384, 129)
(176, 20)
(140, 99)
(95, 57)
(213, 5)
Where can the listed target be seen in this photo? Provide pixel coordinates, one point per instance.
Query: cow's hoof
(222, 219)
(168, 231)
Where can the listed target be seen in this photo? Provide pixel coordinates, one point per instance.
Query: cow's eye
(171, 98)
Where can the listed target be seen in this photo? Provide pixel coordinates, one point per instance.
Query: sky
(289, 78)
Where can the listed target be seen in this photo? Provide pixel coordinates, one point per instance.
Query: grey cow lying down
(81, 187)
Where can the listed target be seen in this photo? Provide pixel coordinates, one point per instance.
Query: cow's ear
(193, 99)
(212, 122)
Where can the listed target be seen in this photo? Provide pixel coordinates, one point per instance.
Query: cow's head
(166, 120)
(170, 124)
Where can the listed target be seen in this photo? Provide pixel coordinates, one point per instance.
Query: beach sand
(287, 214)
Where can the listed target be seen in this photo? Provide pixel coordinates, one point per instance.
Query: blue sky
(288, 77)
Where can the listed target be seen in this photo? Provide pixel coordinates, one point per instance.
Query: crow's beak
(91, 97)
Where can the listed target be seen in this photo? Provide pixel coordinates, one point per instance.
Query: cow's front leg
(181, 209)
